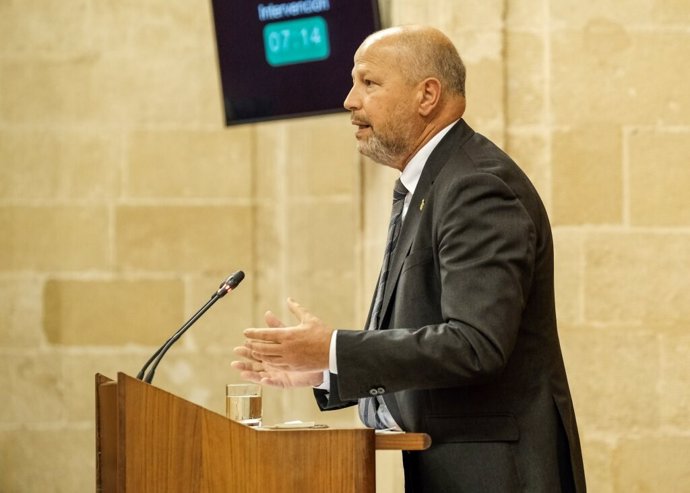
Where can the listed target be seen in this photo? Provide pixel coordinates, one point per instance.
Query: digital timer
(296, 41)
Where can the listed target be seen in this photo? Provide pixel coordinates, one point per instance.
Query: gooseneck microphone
(225, 287)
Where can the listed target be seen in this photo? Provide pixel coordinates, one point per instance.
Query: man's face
(382, 106)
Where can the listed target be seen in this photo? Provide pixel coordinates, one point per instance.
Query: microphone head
(230, 283)
(235, 279)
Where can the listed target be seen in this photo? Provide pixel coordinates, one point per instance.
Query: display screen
(287, 59)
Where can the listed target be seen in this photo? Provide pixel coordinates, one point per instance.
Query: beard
(382, 151)
(391, 143)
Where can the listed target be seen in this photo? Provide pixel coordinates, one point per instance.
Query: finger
(251, 376)
(243, 352)
(247, 366)
(297, 310)
(260, 349)
(272, 382)
(268, 335)
(272, 321)
(274, 363)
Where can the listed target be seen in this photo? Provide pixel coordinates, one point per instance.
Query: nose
(351, 102)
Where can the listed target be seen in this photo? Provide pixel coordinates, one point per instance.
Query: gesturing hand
(303, 347)
(264, 374)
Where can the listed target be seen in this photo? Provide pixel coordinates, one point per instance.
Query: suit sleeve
(481, 260)
(329, 400)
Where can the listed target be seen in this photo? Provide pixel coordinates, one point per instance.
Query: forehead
(378, 57)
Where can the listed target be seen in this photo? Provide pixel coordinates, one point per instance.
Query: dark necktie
(369, 405)
(394, 227)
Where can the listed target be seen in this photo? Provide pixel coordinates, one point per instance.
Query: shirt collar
(413, 170)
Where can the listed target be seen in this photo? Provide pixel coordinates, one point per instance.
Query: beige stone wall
(124, 201)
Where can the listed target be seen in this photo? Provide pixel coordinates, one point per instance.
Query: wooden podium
(148, 440)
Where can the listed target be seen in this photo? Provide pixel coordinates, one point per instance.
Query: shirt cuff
(332, 360)
(332, 366)
(326, 384)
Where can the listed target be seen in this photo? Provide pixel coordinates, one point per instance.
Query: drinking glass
(243, 403)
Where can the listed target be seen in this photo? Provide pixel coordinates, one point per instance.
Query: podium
(149, 440)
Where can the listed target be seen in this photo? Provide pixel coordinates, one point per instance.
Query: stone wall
(124, 201)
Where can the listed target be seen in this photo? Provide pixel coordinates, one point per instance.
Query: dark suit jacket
(468, 350)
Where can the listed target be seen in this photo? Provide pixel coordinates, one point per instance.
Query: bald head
(423, 51)
(408, 83)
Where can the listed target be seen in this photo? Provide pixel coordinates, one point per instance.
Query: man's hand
(301, 348)
(257, 372)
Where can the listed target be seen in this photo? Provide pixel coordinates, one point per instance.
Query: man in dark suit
(461, 341)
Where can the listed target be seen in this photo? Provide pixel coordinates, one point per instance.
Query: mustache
(359, 120)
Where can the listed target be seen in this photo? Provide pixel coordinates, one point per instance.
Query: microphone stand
(225, 287)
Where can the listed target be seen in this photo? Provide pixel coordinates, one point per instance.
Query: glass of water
(243, 403)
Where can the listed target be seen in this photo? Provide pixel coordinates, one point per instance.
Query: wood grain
(148, 440)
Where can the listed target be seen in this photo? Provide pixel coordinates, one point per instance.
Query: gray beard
(386, 153)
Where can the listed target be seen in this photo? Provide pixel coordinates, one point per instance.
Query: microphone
(225, 287)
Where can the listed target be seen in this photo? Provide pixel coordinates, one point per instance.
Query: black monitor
(290, 58)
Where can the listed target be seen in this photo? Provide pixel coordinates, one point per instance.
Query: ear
(429, 95)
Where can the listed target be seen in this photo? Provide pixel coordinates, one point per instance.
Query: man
(461, 341)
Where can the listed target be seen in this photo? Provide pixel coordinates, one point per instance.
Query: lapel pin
(421, 205)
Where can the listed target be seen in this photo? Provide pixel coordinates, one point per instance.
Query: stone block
(613, 374)
(330, 295)
(20, 314)
(610, 80)
(54, 238)
(191, 163)
(271, 168)
(134, 27)
(28, 379)
(270, 248)
(530, 150)
(59, 460)
(661, 13)
(652, 464)
(80, 366)
(59, 164)
(110, 88)
(467, 14)
(587, 175)
(321, 157)
(271, 235)
(156, 89)
(659, 177)
(390, 476)
(312, 157)
(637, 278)
(183, 238)
(449, 14)
(322, 235)
(49, 90)
(597, 456)
(526, 14)
(485, 98)
(525, 69)
(112, 312)
(569, 275)
(411, 11)
(675, 378)
(44, 26)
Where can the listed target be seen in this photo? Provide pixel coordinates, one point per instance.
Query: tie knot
(399, 192)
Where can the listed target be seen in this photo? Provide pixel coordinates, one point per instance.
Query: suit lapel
(437, 160)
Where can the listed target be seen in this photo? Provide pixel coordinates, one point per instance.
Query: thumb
(297, 310)
(273, 321)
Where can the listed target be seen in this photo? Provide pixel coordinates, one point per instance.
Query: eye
(368, 82)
